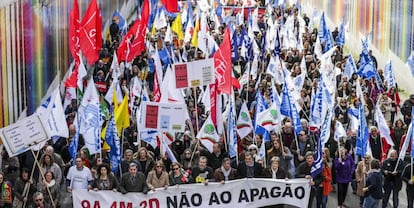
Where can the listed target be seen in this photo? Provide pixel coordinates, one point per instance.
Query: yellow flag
(177, 27)
(194, 39)
(121, 115)
(114, 100)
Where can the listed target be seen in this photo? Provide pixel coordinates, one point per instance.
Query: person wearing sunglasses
(39, 202)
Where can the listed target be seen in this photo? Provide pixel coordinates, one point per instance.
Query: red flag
(91, 33)
(133, 43)
(213, 103)
(170, 5)
(157, 89)
(74, 23)
(223, 65)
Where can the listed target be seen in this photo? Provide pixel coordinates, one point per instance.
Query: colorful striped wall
(390, 21)
(33, 48)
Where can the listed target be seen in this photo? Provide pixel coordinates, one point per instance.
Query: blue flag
(410, 62)
(112, 140)
(288, 108)
(120, 21)
(323, 138)
(323, 29)
(231, 130)
(362, 137)
(73, 147)
(329, 41)
(350, 67)
(340, 40)
(261, 105)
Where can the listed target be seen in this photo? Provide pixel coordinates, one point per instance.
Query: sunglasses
(38, 199)
(175, 168)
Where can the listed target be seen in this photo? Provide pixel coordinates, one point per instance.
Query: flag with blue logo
(329, 41)
(73, 146)
(350, 67)
(408, 139)
(389, 74)
(277, 48)
(323, 138)
(410, 62)
(362, 137)
(340, 40)
(90, 117)
(113, 141)
(231, 129)
(323, 29)
(149, 137)
(288, 108)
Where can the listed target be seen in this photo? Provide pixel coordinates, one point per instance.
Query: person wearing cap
(406, 109)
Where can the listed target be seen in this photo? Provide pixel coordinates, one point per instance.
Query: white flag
(207, 134)
(90, 115)
(244, 122)
(339, 131)
(382, 126)
(269, 119)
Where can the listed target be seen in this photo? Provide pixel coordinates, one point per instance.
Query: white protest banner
(18, 137)
(193, 74)
(238, 193)
(168, 117)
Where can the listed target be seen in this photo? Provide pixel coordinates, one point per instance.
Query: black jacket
(242, 170)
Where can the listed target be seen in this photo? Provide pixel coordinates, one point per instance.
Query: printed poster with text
(194, 74)
(167, 117)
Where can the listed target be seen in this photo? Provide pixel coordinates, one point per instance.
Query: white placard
(194, 74)
(18, 137)
(168, 117)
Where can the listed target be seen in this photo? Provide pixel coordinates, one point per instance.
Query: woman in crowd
(49, 187)
(48, 164)
(186, 161)
(10, 167)
(397, 132)
(23, 189)
(105, 179)
(275, 171)
(178, 176)
(344, 165)
(145, 159)
(285, 157)
(325, 187)
(158, 177)
(361, 173)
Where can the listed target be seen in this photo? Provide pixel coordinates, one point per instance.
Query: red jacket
(327, 174)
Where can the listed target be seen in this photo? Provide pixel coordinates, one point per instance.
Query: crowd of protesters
(288, 155)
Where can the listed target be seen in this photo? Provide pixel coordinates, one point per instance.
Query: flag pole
(43, 177)
(31, 178)
(196, 111)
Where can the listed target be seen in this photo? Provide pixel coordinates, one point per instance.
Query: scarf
(51, 183)
(226, 173)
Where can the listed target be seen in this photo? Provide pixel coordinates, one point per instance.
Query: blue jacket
(374, 184)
